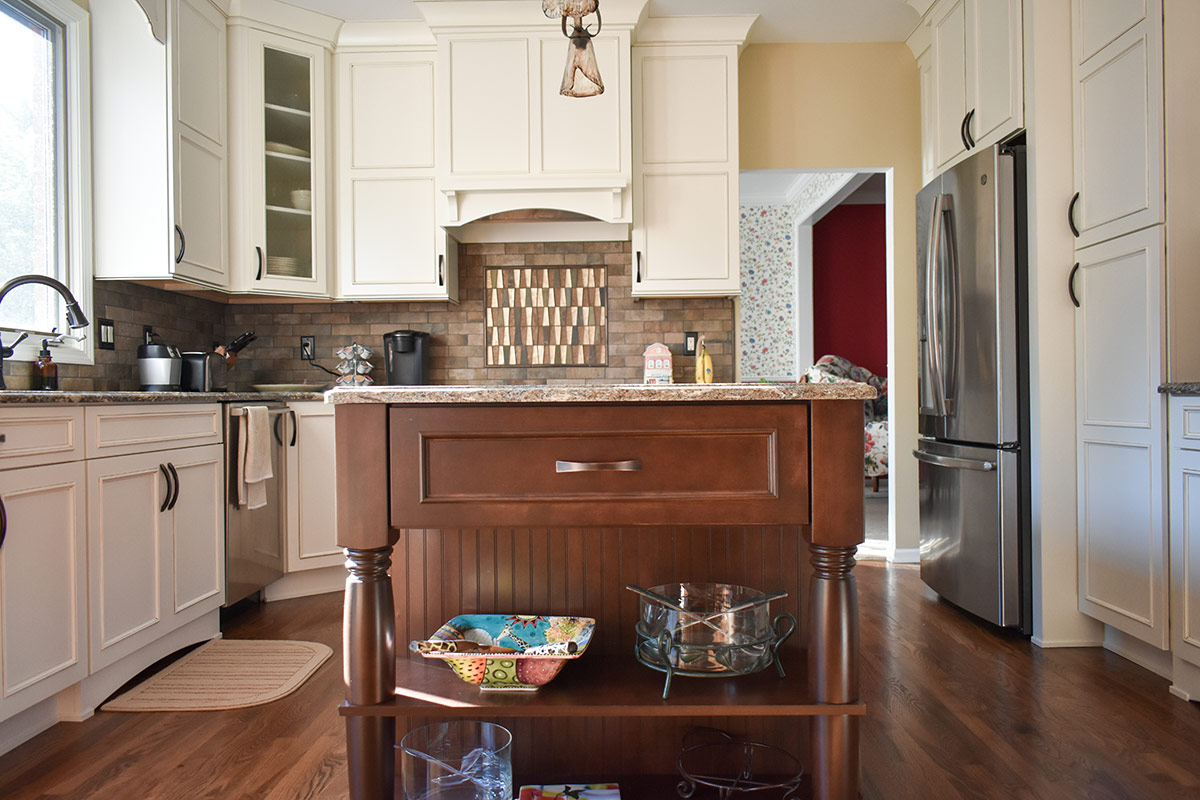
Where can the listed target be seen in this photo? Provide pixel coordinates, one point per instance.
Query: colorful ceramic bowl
(508, 651)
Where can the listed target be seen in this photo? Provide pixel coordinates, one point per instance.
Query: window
(45, 187)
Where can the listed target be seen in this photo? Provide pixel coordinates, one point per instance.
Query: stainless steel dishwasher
(255, 538)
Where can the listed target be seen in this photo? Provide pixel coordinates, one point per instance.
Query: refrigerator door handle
(932, 306)
(948, 337)
(954, 463)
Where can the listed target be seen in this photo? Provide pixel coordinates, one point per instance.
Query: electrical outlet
(308, 348)
(148, 334)
(691, 340)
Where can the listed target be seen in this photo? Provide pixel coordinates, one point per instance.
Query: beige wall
(852, 106)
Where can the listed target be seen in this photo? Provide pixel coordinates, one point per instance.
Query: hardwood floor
(955, 710)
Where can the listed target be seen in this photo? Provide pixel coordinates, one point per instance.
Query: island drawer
(677, 464)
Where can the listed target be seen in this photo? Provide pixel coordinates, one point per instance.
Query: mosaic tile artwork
(546, 316)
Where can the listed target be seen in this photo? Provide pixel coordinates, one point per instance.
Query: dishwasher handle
(954, 463)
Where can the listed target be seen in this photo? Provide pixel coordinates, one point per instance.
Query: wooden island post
(444, 457)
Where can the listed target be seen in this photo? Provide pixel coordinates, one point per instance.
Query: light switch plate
(107, 333)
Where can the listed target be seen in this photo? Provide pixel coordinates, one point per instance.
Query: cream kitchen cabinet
(279, 114)
(157, 103)
(1119, 142)
(155, 546)
(1185, 544)
(685, 200)
(311, 489)
(389, 243)
(1120, 434)
(43, 575)
(972, 80)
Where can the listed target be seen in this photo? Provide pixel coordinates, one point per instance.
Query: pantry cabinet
(389, 243)
(165, 104)
(280, 203)
(43, 569)
(1119, 149)
(685, 200)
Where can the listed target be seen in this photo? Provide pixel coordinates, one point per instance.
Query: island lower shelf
(603, 687)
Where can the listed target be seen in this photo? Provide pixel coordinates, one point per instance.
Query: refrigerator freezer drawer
(969, 528)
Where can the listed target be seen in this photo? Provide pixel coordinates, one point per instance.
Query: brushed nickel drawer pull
(634, 465)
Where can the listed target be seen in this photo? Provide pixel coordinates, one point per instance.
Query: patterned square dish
(508, 651)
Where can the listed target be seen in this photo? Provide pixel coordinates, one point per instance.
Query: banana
(704, 365)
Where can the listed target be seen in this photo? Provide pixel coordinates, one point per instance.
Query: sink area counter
(615, 393)
(86, 398)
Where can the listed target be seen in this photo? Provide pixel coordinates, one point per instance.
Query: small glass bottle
(45, 372)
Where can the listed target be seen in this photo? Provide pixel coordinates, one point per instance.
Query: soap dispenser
(45, 370)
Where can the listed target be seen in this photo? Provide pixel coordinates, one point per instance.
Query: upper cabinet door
(994, 64)
(198, 59)
(1118, 121)
(488, 106)
(685, 200)
(389, 243)
(950, 80)
(278, 133)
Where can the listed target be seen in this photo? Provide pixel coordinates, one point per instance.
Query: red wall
(850, 285)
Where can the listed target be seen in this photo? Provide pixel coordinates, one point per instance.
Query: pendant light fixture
(581, 78)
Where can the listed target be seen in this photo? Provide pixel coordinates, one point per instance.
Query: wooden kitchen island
(455, 500)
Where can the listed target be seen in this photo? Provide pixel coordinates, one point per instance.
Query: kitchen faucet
(75, 316)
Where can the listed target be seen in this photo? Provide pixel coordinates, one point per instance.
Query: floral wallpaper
(768, 314)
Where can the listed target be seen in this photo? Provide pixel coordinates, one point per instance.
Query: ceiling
(779, 20)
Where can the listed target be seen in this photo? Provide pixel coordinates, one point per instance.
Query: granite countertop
(1183, 388)
(81, 398)
(617, 393)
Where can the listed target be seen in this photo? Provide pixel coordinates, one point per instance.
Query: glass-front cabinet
(278, 180)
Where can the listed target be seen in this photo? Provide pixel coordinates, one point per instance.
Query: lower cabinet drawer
(599, 465)
(123, 430)
(37, 436)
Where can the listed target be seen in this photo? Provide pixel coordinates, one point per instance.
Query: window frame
(75, 209)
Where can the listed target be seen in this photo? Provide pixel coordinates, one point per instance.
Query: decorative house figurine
(657, 367)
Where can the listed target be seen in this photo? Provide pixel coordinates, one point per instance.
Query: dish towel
(254, 457)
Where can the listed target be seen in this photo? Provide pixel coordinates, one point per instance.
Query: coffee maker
(406, 356)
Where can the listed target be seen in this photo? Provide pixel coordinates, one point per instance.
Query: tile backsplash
(458, 331)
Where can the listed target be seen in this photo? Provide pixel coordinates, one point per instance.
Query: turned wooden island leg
(369, 645)
(833, 671)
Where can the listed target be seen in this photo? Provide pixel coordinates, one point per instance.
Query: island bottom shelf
(647, 787)
(603, 687)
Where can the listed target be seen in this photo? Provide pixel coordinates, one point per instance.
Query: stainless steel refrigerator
(973, 357)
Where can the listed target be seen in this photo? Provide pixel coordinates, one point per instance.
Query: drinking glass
(457, 760)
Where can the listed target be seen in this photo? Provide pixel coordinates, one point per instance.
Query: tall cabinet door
(1120, 424)
(128, 562)
(201, 191)
(43, 563)
(1119, 166)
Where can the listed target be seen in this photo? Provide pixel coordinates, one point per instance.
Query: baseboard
(307, 582)
(905, 555)
(1133, 649)
(1049, 644)
(17, 730)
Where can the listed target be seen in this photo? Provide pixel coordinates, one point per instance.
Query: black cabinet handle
(1071, 215)
(275, 429)
(967, 129)
(441, 269)
(962, 133)
(3, 523)
(175, 476)
(182, 244)
(1071, 284)
(295, 427)
(638, 277)
(170, 489)
(258, 250)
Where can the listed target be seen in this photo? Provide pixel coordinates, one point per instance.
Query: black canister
(406, 354)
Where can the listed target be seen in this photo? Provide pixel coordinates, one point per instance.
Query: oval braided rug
(224, 674)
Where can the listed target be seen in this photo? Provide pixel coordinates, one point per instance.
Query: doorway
(816, 267)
